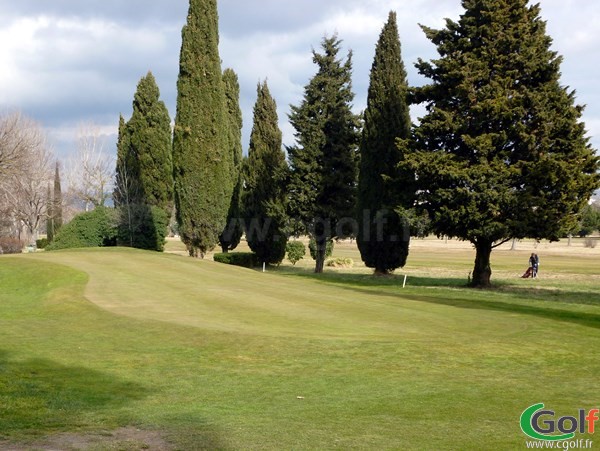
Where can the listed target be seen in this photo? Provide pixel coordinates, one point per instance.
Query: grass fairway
(218, 357)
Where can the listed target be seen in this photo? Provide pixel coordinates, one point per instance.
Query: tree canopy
(265, 177)
(202, 159)
(501, 152)
(384, 236)
(324, 160)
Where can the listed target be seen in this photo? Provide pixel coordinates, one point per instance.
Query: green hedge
(244, 259)
(96, 228)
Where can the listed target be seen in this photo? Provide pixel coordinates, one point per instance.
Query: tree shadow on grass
(371, 285)
(39, 396)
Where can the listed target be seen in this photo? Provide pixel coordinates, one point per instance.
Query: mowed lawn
(219, 357)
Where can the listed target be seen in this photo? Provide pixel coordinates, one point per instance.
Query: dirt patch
(122, 439)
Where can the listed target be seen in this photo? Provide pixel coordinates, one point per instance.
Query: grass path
(223, 357)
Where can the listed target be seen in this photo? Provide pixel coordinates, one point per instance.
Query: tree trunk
(482, 272)
(321, 252)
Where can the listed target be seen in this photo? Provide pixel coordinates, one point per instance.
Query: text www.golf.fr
(566, 444)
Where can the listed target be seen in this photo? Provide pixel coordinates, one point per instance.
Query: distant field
(124, 349)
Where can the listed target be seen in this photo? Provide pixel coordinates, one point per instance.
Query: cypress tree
(54, 207)
(149, 140)
(201, 157)
(501, 152)
(232, 234)
(383, 239)
(144, 173)
(324, 160)
(265, 175)
(49, 216)
(127, 177)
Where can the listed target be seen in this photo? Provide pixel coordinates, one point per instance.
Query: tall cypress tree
(501, 152)
(127, 176)
(144, 172)
(264, 180)
(54, 207)
(201, 157)
(57, 203)
(324, 160)
(383, 238)
(49, 215)
(150, 145)
(232, 234)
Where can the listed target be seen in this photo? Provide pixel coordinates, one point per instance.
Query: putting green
(213, 296)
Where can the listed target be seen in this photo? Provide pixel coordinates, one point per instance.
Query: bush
(243, 259)
(10, 245)
(42, 243)
(296, 250)
(96, 228)
(340, 262)
(312, 247)
(143, 227)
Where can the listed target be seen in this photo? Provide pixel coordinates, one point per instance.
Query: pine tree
(201, 157)
(324, 160)
(264, 179)
(383, 237)
(232, 234)
(502, 153)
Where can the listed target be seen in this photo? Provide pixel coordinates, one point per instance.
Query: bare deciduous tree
(90, 174)
(19, 136)
(25, 174)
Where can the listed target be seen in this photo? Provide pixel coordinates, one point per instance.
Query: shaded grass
(218, 356)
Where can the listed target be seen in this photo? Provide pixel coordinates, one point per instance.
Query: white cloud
(67, 62)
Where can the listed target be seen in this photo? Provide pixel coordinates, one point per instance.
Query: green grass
(217, 356)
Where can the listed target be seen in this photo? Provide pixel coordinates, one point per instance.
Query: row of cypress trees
(499, 149)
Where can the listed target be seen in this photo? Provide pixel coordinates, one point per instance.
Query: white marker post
(264, 267)
(405, 277)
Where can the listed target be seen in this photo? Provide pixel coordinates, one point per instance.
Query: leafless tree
(90, 174)
(19, 136)
(26, 172)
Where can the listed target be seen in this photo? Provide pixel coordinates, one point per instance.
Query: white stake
(264, 267)
(405, 277)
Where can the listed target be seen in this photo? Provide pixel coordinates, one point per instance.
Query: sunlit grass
(223, 357)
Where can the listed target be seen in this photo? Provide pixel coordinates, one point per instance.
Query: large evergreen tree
(234, 229)
(324, 160)
(150, 145)
(127, 177)
(502, 152)
(201, 157)
(144, 172)
(264, 181)
(384, 236)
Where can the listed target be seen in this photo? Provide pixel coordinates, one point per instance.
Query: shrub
(340, 262)
(42, 243)
(312, 247)
(10, 245)
(96, 228)
(244, 259)
(296, 250)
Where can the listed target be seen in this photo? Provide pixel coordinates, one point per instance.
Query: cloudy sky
(71, 62)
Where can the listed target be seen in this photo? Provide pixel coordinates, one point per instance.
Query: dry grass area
(122, 439)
